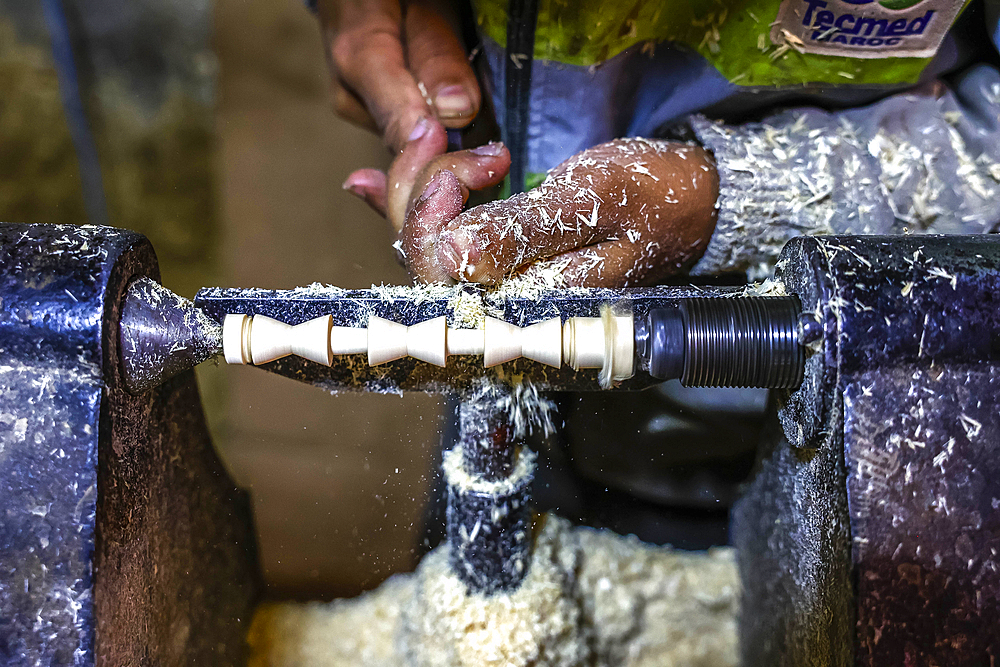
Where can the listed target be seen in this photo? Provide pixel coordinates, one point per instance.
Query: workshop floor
(338, 482)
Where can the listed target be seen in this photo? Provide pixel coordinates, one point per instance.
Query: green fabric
(531, 180)
(733, 36)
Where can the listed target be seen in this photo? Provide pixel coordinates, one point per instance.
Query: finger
(349, 106)
(366, 51)
(423, 157)
(369, 185)
(486, 243)
(438, 203)
(438, 60)
(465, 170)
(427, 141)
(475, 169)
(616, 263)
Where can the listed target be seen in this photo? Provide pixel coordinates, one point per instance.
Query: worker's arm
(925, 161)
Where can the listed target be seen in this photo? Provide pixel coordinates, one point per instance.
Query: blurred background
(208, 127)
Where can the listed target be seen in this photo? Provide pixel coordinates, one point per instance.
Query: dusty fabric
(916, 163)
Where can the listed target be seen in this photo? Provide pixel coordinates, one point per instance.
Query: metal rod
(484, 434)
(488, 520)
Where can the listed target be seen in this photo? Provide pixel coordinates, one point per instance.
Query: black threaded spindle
(725, 342)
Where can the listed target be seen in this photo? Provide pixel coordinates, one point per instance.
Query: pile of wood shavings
(591, 598)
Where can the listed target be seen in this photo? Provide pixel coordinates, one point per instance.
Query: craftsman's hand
(391, 68)
(629, 212)
(408, 78)
(407, 196)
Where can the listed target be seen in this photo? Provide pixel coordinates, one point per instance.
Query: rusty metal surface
(923, 480)
(867, 534)
(52, 287)
(792, 536)
(123, 541)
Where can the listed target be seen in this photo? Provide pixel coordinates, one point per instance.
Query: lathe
(868, 533)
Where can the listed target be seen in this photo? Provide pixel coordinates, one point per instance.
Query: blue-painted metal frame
(53, 285)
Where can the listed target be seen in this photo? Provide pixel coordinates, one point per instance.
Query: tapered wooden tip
(503, 342)
(269, 340)
(386, 341)
(311, 340)
(542, 342)
(426, 341)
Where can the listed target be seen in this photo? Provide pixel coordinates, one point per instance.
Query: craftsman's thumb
(440, 201)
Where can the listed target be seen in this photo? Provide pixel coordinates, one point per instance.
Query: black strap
(521, 18)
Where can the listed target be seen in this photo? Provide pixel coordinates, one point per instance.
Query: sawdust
(769, 287)
(416, 293)
(591, 598)
(470, 304)
(467, 310)
(919, 184)
(527, 409)
(458, 477)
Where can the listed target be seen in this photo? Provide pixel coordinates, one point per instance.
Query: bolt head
(810, 330)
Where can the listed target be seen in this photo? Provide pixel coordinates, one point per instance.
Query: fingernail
(431, 188)
(492, 149)
(419, 130)
(453, 102)
(355, 190)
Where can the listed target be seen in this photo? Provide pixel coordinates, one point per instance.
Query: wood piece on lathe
(311, 340)
(426, 341)
(235, 337)
(606, 342)
(542, 342)
(348, 340)
(619, 349)
(386, 341)
(583, 342)
(269, 340)
(502, 342)
(466, 341)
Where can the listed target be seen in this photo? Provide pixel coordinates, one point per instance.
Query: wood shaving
(591, 598)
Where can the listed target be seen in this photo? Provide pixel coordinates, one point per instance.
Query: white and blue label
(865, 28)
